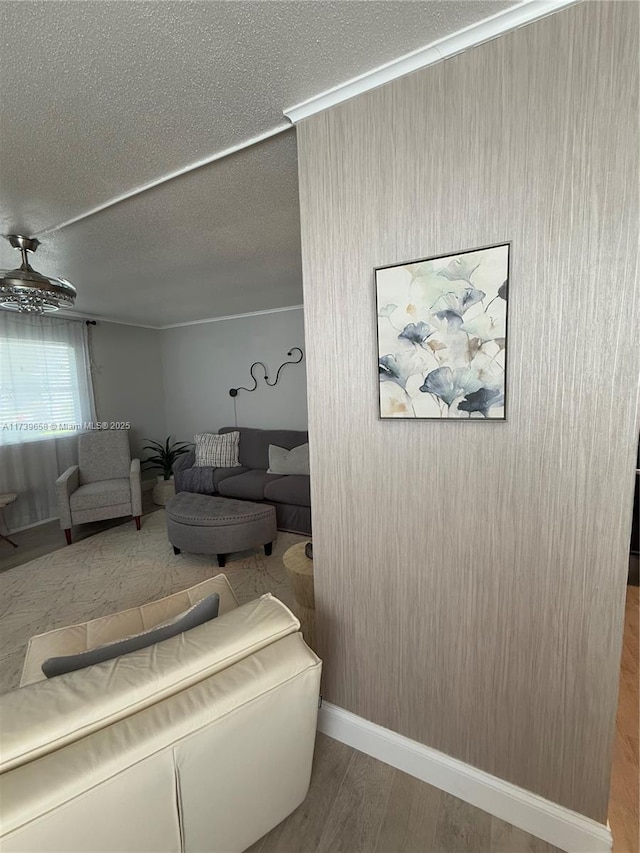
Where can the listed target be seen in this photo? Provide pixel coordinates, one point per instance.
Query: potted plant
(164, 455)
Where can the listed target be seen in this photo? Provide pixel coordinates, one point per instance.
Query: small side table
(5, 500)
(300, 571)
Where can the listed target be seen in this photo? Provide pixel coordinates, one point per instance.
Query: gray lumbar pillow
(201, 612)
(283, 461)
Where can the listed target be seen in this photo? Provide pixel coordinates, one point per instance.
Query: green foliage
(164, 455)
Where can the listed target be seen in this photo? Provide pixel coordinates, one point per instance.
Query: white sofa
(203, 742)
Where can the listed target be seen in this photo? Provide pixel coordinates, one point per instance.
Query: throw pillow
(199, 613)
(283, 461)
(217, 451)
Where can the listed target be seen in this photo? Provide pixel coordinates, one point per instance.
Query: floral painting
(442, 336)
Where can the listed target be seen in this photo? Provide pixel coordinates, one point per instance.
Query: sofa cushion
(217, 451)
(220, 474)
(196, 615)
(204, 481)
(101, 493)
(254, 443)
(295, 461)
(294, 489)
(249, 486)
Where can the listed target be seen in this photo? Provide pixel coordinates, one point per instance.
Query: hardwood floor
(359, 805)
(623, 799)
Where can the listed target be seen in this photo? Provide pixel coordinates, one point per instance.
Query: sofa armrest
(186, 463)
(78, 638)
(66, 485)
(183, 462)
(136, 488)
(42, 717)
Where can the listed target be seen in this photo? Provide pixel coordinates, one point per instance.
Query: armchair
(104, 484)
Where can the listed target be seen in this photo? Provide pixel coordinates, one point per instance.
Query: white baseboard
(555, 824)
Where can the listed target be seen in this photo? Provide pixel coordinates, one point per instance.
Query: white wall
(202, 362)
(127, 380)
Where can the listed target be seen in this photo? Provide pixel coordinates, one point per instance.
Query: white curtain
(46, 398)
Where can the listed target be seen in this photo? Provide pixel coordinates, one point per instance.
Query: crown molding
(163, 179)
(100, 318)
(75, 315)
(510, 19)
(233, 316)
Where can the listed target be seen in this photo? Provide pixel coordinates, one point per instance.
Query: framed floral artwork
(442, 336)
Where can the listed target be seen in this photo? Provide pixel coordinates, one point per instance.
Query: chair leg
(176, 550)
(67, 534)
(222, 559)
(136, 518)
(268, 549)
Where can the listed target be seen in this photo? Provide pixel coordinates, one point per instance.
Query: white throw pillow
(283, 461)
(217, 451)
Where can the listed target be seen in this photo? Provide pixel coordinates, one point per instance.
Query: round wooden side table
(300, 572)
(5, 500)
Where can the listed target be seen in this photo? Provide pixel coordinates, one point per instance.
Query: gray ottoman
(201, 524)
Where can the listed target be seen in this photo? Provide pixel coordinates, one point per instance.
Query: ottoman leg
(176, 550)
(268, 549)
(222, 559)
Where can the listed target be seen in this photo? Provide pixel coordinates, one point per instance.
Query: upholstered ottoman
(201, 524)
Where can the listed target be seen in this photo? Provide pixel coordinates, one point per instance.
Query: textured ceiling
(224, 239)
(110, 95)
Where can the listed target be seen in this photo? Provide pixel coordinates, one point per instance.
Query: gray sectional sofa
(289, 494)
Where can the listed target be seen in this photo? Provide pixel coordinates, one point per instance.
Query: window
(45, 386)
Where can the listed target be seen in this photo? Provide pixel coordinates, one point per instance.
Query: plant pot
(162, 491)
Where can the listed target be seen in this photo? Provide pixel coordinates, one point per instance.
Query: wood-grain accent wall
(470, 578)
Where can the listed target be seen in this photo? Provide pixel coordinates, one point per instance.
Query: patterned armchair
(104, 484)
